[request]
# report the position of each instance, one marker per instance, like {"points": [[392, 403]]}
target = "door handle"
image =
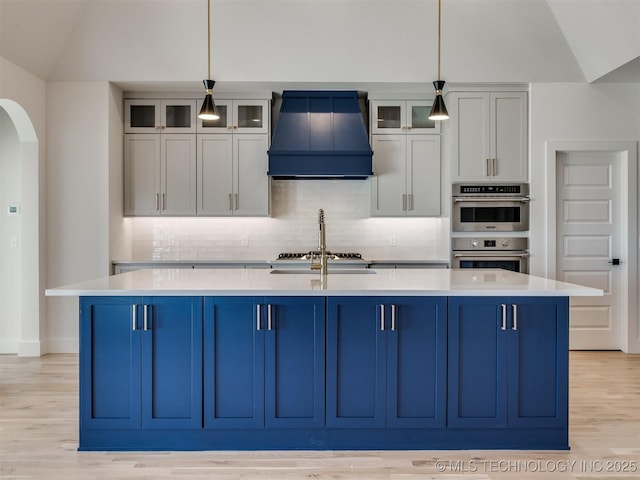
{"points": [[615, 261], [404, 202], [393, 317], [488, 161], [515, 317], [145, 317], [230, 202], [494, 167], [236, 196], [258, 317], [269, 325], [382, 318], [157, 201], [504, 317], [134, 308]]}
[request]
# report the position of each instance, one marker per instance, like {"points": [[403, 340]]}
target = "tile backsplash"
{"points": [[293, 227]]}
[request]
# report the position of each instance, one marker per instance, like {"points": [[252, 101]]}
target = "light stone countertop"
{"points": [[367, 282]]}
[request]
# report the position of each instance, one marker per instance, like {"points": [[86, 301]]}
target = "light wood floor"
{"points": [[39, 429]]}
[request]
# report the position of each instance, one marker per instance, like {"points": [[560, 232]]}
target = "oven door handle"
{"points": [[491, 254], [491, 199]]}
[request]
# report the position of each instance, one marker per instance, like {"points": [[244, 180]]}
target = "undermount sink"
{"points": [[333, 271]]}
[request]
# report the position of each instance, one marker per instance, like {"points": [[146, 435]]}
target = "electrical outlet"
{"points": [[244, 241], [393, 241]]}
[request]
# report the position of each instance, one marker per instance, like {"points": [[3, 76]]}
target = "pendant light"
{"points": [[439, 109], [209, 111]]}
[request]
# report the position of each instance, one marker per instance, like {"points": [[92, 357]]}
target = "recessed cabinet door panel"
{"points": [[142, 174], [251, 188], [233, 363], [294, 363], [172, 362], [417, 362], [470, 135], [477, 392], [509, 135], [423, 175], [356, 364], [215, 174], [109, 364], [179, 175], [388, 185], [538, 359]]}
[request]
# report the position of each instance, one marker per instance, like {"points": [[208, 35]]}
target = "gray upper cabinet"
{"points": [[238, 116], [402, 116], [160, 116], [489, 136]]}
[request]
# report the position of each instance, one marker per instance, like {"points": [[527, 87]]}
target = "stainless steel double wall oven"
{"points": [[490, 207]]}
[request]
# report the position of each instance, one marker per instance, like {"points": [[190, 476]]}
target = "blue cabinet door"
{"points": [[110, 363], [356, 363], [538, 362], [508, 362], [140, 362], [172, 362], [417, 362], [294, 362], [477, 352], [233, 362]]}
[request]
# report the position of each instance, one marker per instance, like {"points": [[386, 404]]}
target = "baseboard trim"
{"points": [[63, 345]]}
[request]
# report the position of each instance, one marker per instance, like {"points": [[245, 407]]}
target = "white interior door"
{"points": [[589, 237]]}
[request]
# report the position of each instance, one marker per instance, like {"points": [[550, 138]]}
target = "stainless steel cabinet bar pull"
{"points": [[504, 317], [410, 196], [145, 317], [515, 317], [488, 161], [258, 316], [404, 202], [393, 317], [494, 165], [382, 318], [230, 202], [236, 195], [269, 326], [157, 201], [133, 317], [164, 201]]}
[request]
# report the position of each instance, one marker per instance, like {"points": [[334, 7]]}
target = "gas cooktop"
{"points": [[330, 255]]}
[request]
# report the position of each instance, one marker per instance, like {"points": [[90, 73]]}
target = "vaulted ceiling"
{"points": [[324, 41]]}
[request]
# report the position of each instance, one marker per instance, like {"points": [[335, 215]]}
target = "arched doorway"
{"points": [[21, 269]]}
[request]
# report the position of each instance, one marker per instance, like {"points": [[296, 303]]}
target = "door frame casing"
{"points": [[628, 150]]}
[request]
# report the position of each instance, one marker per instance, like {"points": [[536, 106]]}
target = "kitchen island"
{"points": [[387, 359]]}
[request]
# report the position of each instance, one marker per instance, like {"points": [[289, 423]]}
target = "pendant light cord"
{"points": [[209, 40], [439, 7]]}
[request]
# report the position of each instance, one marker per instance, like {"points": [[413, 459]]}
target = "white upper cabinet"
{"points": [[489, 136], [232, 175], [406, 179], [159, 116], [238, 116], [160, 175], [402, 116]]}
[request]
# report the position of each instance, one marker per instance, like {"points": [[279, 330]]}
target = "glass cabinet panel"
{"points": [[142, 116], [250, 116], [222, 122], [389, 117], [178, 116], [420, 117]]}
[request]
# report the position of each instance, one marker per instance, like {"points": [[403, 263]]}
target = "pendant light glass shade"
{"points": [[439, 109], [209, 111]]}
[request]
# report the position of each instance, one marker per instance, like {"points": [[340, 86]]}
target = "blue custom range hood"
{"points": [[320, 134]]}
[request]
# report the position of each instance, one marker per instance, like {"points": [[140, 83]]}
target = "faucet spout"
{"points": [[322, 245]]}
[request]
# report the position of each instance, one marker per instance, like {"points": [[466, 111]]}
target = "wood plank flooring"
{"points": [[39, 431]]}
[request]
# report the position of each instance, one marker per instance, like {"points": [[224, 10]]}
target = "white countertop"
{"points": [[383, 282]]}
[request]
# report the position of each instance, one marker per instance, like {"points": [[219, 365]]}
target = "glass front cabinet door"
{"points": [[159, 116], [402, 116], [238, 116]]}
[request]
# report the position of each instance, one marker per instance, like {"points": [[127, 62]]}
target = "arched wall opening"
{"points": [[21, 272]]}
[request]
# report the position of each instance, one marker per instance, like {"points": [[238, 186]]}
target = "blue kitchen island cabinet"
{"points": [[140, 365], [386, 363], [264, 362], [508, 364]]}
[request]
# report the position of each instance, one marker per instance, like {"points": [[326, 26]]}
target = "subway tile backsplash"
{"points": [[293, 227]]}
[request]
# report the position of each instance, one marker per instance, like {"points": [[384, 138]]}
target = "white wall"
{"points": [[28, 91], [77, 197], [10, 274], [576, 111]]}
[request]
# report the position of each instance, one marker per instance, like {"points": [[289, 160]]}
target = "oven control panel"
{"points": [[491, 189], [513, 243]]}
